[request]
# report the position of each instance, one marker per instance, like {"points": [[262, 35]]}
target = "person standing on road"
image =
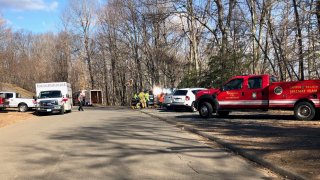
{"points": [[80, 99], [142, 99], [146, 95], [161, 100]]}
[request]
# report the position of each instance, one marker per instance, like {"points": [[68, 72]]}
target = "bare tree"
{"points": [[83, 18]]}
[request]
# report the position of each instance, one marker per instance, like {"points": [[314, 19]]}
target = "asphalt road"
{"points": [[114, 144]]}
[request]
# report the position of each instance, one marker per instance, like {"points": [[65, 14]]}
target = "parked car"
{"points": [[15, 101], [185, 98], [151, 99], [167, 103]]}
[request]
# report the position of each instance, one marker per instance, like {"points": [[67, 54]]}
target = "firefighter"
{"points": [[146, 95], [142, 99], [135, 101], [161, 99]]}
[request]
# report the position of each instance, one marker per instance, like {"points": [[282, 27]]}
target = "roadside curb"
{"points": [[281, 171]]}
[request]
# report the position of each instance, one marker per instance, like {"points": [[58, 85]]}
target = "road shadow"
{"points": [[240, 117], [113, 146], [280, 139]]}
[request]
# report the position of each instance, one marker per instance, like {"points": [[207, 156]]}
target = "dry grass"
{"points": [[11, 117], [13, 88]]}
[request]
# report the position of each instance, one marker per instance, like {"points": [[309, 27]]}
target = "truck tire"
{"points": [[223, 113], [38, 113], [62, 110], [23, 107], [304, 111], [205, 110]]}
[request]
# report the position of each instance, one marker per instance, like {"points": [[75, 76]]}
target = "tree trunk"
{"points": [[299, 36]]}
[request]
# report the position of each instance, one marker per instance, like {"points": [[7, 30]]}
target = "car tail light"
{"points": [[187, 98]]}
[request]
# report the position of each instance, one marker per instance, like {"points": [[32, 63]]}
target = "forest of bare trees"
{"points": [[123, 46]]}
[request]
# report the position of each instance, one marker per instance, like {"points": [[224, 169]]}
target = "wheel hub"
{"points": [[304, 111], [204, 111]]}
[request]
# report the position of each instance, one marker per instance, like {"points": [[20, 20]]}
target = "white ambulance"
{"points": [[53, 97]]}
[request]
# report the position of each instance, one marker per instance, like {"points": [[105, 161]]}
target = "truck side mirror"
{"points": [[35, 98]]}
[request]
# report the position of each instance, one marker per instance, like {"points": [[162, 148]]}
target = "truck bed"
{"points": [[286, 94]]}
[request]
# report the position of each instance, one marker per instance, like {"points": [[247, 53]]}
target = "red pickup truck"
{"points": [[261, 92]]}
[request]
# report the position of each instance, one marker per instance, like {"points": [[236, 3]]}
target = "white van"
{"points": [[54, 97]]}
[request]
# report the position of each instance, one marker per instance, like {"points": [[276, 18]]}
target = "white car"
{"points": [[185, 98]]}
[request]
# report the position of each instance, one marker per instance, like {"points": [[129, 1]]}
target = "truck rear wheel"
{"points": [[304, 111], [205, 110], [23, 107]]}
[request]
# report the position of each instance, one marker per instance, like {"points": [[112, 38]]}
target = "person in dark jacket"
{"points": [[80, 99]]}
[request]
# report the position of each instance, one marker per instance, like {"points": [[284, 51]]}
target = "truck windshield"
{"points": [[50, 94]]}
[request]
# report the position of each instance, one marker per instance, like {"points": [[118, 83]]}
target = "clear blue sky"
{"points": [[37, 16]]}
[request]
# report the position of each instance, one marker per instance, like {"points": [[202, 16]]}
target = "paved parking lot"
{"points": [[114, 143], [275, 137]]}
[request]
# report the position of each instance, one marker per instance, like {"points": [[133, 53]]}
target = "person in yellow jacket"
{"points": [[146, 95], [142, 99], [135, 101]]}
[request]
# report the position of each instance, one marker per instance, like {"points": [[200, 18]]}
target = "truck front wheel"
{"points": [[62, 110], [304, 111], [205, 110], [22, 108]]}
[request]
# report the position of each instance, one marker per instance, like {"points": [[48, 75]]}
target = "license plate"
{"points": [[48, 110]]}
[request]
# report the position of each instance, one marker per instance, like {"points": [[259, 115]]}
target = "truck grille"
{"points": [[48, 103]]}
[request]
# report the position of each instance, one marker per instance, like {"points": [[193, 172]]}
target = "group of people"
{"points": [[142, 99]]}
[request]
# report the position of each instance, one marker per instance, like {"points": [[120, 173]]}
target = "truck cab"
{"points": [[244, 92]]}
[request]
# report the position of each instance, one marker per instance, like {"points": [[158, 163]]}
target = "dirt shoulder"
{"points": [[276, 137], [10, 117]]}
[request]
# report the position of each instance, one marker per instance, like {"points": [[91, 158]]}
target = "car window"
{"points": [[8, 95], [255, 83], [272, 79], [196, 91], [233, 85], [180, 92]]}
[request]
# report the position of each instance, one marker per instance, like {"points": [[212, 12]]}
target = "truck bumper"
{"points": [[49, 109], [3, 106]]}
